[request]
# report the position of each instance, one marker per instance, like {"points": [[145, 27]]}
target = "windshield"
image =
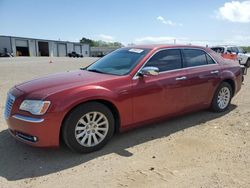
{"points": [[119, 62]]}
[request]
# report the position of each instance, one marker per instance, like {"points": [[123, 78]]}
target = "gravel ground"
{"points": [[201, 149]]}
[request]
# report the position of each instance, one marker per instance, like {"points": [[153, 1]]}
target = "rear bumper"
{"points": [[38, 132]]}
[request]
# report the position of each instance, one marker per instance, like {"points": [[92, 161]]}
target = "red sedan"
{"points": [[125, 89]]}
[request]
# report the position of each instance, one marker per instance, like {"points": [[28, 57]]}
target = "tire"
{"points": [[82, 125], [221, 106]]}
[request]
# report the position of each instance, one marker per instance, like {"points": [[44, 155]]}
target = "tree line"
{"points": [[100, 43], [247, 48]]}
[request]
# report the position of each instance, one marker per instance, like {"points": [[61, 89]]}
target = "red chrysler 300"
{"points": [[127, 88]]}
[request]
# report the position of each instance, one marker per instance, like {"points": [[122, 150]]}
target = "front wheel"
{"points": [[88, 127], [222, 98]]}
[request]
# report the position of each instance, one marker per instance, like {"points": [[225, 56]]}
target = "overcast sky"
{"points": [[132, 21]]}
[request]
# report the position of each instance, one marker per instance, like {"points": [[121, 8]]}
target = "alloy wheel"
{"points": [[91, 129], [223, 97]]}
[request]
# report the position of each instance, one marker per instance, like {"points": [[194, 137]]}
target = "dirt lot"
{"points": [[202, 149]]}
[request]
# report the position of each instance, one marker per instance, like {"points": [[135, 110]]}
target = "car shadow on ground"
{"points": [[19, 161]]}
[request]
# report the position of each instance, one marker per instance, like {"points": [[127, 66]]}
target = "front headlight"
{"points": [[35, 107]]}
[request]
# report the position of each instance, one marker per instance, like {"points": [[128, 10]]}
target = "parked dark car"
{"points": [[74, 54], [6, 55], [125, 89]]}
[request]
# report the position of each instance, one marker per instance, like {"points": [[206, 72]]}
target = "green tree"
{"points": [[247, 48], [100, 43], [87, 41]]}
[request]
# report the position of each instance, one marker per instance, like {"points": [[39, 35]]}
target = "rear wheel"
{"points": [[222, 98], [88, 127]]}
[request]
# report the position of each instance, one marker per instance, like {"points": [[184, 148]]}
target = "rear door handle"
{"points": [[214, 72], [181, 78]]}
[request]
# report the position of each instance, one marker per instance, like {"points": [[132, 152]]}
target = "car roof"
{"points": [[159, 46]]}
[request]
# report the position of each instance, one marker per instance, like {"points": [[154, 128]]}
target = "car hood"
{"points": [[45, 86]]}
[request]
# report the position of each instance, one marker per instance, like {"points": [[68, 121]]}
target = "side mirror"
{"points": [[244, 52], [149, 71]]}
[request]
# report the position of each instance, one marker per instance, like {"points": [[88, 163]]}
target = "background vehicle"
{"points": [[235, 53], [118, 92], [5, 53], [74, 54]]}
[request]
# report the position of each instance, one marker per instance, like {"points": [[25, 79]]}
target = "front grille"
{"points": [[8, 106]]}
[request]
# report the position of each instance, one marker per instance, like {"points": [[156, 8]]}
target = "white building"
{"points": [[20, 46]]}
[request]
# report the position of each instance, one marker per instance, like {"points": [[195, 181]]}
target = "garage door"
{"points": [[22, 47], [22, 43], [78, 49], [62, 50]]}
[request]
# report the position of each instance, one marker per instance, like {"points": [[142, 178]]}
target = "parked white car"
{"points": [[242, 56]]}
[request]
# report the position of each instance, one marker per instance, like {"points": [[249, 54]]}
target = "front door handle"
{"points": [[214, 72], [181, 78]]}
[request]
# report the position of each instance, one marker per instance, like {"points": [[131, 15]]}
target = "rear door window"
{"points": [[194, 57]]}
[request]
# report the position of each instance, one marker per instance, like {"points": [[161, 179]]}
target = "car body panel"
{"points": [[202, 83], [162, 93]]}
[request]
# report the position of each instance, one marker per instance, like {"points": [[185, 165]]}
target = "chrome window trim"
{"points": [[185, 68], [28, 119]]}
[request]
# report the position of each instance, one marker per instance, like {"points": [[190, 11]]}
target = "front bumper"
{"points": [[39, 132]]}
